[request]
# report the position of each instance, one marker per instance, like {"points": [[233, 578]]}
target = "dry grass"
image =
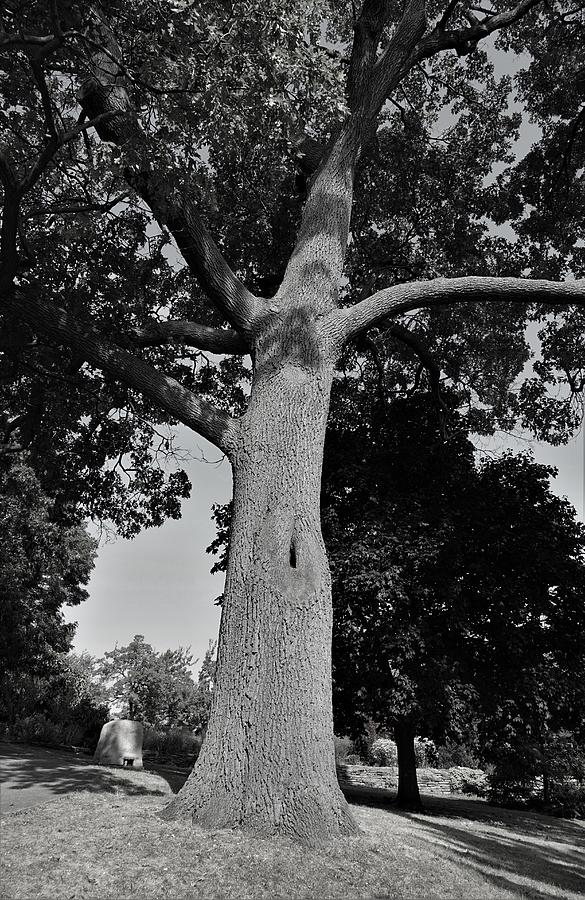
{"points": [[113, 845]]}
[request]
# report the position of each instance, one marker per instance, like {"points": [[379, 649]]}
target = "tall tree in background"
{"points": [[191, 106], [453, 585], [45, 564], [155, 688]]}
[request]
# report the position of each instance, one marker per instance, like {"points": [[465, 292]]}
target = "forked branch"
{"points": [[465, 40], [105, 91]]}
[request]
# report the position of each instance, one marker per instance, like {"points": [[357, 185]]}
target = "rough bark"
{"points": [[408, 794], [268, 761]]}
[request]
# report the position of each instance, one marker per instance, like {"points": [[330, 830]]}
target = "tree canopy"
{"points": [[157, 688], [457, 587], [316, 143], [45, 563], [231, 102]]}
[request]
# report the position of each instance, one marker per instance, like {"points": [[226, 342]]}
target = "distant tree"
{"points": [[453, 585], [158, 688], [45, 562], [199, 707], [85, 675]]}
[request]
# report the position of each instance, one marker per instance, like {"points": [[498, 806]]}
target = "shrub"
{"points": [[35, 729], [425, 752], [464, 780], [566, 800], [546, 775], [451, 754], [343, 748], [384, 752], [512, 783], [352, 759], [172, 744]]}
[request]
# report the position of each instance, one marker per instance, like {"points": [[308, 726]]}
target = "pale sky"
{"points": [[158, 584]]}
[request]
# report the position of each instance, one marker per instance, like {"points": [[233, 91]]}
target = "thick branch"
{"points": [[465, 40], [368, 30], [327, 212], [389, 70], [182, 404], [406, 336], [199, 251], [105, 91], [203, 337], [393, 301]]}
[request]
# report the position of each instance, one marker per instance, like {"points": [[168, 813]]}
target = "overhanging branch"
{"points": [[203, 337], [182, 404], [465, 40], [105, 91], [345, 324]]}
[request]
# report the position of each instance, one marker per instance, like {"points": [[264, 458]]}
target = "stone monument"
{"points": [[120, 744]]}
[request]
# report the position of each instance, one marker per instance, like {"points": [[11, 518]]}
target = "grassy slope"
{"points": [[112, 845]]}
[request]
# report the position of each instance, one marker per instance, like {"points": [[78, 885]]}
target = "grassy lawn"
{"points": [[111, 844]]}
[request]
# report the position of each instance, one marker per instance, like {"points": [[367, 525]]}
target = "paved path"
{"points": [[33, 775]]}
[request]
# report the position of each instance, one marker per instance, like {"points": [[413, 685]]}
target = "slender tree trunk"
{"points": [[408, 793], [268, 760]]}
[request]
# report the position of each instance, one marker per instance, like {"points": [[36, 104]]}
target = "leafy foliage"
{"points": [[65, 705], [546, 772], [45, 560], [454, 587], [158, 688], [221, 93]]}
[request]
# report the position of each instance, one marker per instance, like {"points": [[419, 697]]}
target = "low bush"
{"points": [[425, 752], [352, 759], [513, 781], [80, 728], [451, 754], [179, 745], [343, 748], [465, 780], [384, 752], [35, 729], [566, 800], [548, 775]]}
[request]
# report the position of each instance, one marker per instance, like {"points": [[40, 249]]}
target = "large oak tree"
{"points": [[117, 119]]}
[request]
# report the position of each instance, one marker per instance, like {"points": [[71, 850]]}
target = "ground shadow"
{"points": [[510, 855], [175, 778], [509, 847], [38, 769]]}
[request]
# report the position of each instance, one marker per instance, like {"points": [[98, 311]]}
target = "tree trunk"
{"points": [[408, 793], [268, 761]]}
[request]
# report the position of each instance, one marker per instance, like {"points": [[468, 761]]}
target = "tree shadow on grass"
{"points": [[517, 851], [39, 770], [511, 857], [175, 778]]}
